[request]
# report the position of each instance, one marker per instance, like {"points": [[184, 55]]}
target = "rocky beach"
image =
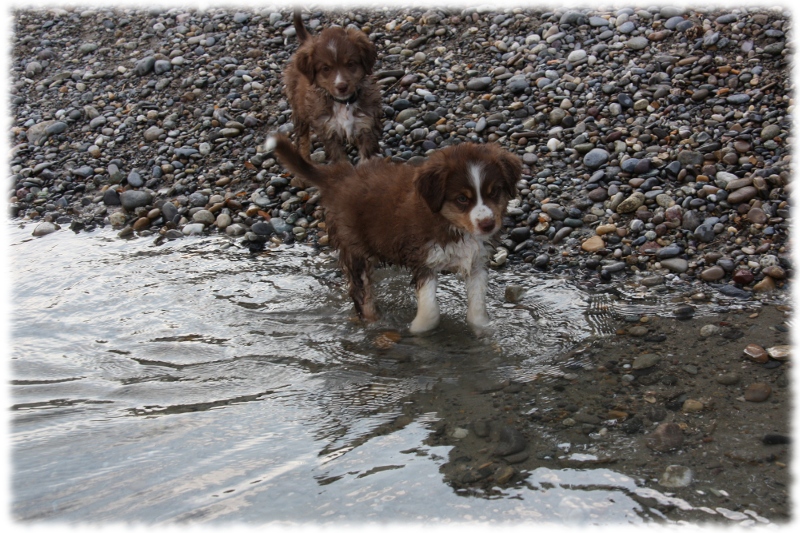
{"points": [[656, 158]]}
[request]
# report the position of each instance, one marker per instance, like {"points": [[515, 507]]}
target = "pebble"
{"points": [[460, 433], [780, 353], [709, 330], [756, 353], [193, 229], [676, 477], [511, 441], [130, 200], [44, 228], [692, 406], [593, 244], [514, 293], [757, 392], [645, 361], [666, 437], [728, 378]]}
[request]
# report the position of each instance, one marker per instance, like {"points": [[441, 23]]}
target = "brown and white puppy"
{"points": [[331, 91], [428, 218]]}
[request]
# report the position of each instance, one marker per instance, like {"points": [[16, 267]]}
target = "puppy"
{"points": [[428, 218], [330, 89]]}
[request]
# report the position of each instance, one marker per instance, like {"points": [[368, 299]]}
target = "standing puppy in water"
{"points": [[430, 218], [330, 88]]}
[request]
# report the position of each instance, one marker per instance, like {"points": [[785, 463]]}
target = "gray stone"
{"points": [[193, 229], [144, 66], [130, 200], [675, 264], [596, 158], [645, 361], [204, 216], [152, 133], [479, 84], [44, 228]]}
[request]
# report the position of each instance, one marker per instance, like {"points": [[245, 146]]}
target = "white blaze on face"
{"points": [[333, 49], [480, 211]]}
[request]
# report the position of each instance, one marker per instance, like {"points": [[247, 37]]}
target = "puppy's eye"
{"points": [[325, 69], [351, 64], [461, 199]]}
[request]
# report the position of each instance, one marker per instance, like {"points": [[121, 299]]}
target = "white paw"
{"points": [[478, 320], [423, 324]]}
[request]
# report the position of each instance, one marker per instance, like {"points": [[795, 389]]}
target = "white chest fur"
{"points": [[344, 119], [462, 256]]}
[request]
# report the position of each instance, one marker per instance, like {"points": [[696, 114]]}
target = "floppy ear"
{"points": [[365, 47], [431, 182], [304, 62], [510, 169]]}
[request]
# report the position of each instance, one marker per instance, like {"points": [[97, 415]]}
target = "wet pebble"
{"points": [[510, 441], [780, 353], [757, 392], [44, 228], [756, 353], [666, 437], [676, 477], [728, 378]]}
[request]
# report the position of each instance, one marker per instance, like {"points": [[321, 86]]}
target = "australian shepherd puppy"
{"points": [[428, 218], [330, 88]]}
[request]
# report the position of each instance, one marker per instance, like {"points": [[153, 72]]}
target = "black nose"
{"points": [[486, 225]]}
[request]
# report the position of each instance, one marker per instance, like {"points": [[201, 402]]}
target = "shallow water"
{"points": [[193, 382]]}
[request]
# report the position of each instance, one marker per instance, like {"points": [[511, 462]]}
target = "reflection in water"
{"points": [[194, 382]]}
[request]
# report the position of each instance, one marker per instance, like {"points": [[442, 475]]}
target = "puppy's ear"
{"points": [[510, 170], [431, 183], [365, 47], [304, 62]]}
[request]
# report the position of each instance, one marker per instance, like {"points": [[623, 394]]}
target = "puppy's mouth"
{"points": [[345, 96]]}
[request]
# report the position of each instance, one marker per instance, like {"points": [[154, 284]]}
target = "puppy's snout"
{"points": [[341, 86], [486, 225]]}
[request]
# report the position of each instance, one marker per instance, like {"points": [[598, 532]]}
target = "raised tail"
{"points": [[290, 158], [299, 27]]}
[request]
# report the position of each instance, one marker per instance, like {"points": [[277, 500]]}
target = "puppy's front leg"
{"points": [[476, 282], [427, 307], [334, 149]]}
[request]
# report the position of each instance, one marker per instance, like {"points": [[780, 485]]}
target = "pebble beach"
{"points": [[655, 141]]}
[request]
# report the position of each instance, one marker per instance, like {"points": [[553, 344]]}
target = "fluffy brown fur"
{"points": [[331, 91], [426, 218]]}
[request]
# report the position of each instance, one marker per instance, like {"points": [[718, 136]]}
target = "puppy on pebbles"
{"points": [[430, 218]]}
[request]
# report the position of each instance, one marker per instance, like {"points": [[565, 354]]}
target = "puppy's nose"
{"points": [[486, 225], [341, 86]]}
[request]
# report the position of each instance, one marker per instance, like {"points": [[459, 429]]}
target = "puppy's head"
{"points": [[337, 60], [470, 185]]}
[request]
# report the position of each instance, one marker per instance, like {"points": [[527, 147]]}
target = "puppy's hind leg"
{"points": [[359, 275], [427, 307]]}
